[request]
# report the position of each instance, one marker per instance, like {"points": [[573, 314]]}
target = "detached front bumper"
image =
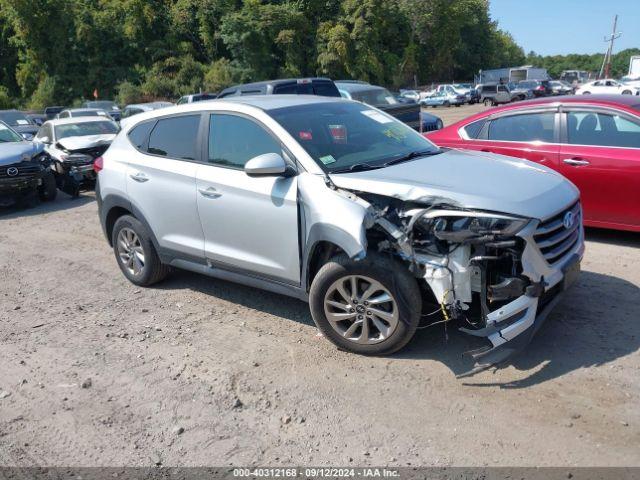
{"points": [[511, 327]]}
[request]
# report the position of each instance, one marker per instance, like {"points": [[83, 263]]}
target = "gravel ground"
{"points": [[95, 371]]}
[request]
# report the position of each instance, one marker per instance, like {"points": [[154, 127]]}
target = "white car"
{"points": [[607, 86], [73, 144]]}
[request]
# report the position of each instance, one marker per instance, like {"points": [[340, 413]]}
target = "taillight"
{"points": [[98, 164]]}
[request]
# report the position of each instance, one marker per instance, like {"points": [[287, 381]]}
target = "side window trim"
{"points": [[564, 130], [205, 141], [145, 145], [484, 133], [199, 157]]}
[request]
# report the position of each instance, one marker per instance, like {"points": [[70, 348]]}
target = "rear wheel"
{"points": [[371, 307], [488, 102], [135, 253]]}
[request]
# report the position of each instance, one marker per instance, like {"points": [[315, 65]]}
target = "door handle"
{"points": [[139, 177], [209, 192], [576, 162]]}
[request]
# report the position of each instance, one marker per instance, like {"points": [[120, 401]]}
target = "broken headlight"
{"points": [[461, 227]]}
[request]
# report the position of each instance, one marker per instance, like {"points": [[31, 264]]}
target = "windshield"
{"points": [[340, 135], [8, 135], [378, 96], [84, 129], [15, 118], [106, 104]]}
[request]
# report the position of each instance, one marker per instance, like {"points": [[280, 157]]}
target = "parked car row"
{"points": [[345, 205]]}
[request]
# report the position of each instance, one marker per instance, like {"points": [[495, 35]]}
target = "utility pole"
{"points": [[606, 64]]}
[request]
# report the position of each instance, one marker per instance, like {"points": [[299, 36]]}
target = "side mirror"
{"points": [[267, 165], [27, 136]]}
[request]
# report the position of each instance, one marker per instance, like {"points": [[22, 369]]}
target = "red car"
{"points": [[593, 140]]}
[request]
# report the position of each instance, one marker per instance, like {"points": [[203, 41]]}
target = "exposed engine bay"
{"points": [[471, 261]]}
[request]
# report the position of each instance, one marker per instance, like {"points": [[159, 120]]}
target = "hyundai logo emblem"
{"points": [[567, 221], [12, 171]]}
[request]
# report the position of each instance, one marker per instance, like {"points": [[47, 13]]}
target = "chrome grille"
{"points": [[24, 170], [554, 239]]}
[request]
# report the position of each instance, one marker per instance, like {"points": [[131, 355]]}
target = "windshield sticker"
{"points": [[395, 132], [327, 159], [377, 116], [338, 133], [305, 135], [22, 122]]}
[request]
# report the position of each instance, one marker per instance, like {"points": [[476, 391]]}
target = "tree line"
{"points": [[61, 51]]}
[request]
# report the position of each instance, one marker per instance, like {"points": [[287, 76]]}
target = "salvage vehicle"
{"points": [[74, 144], [492, 94], [607, 86], [379, 97], [109, 106], [24, 169], [83, 112], [323, 87], [19, 122], [337, 203], [594, 141], [443, 98]]}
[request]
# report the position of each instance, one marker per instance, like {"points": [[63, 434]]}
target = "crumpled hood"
{"points": [[87, 141], [471, 179], [15, 152]]}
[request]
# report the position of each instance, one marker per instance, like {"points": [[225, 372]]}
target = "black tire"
{"points": [[393, 276], [457, 105], [48, 191], [488, 102], [153, 270], [446, 104]]}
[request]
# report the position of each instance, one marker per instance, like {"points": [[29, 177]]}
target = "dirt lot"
{"points": [[203, 372]]}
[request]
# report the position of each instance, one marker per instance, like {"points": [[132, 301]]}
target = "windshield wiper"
{"points": [[358, 167], [411, 156]]}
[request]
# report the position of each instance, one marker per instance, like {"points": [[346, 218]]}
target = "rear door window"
{"points": [[175, 137], [602, 129], [530, 127]]}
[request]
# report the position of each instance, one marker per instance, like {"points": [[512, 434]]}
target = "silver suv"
{"points": [[339, 204]]}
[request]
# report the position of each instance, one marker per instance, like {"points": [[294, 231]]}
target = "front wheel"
{"points": [[370, 307], [488, 102], [48, 191], [135, 253]]}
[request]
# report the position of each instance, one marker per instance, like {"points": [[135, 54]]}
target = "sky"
{"points": [[558, 27]]}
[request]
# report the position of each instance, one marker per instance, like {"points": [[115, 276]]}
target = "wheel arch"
{"points": [[114, 207]]}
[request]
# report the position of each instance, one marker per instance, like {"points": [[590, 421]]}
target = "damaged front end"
{"points": [[74, 168], [484, 270]]}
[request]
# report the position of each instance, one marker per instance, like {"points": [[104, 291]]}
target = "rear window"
{"points": [[175, 137], [326, 89], [139, 134], [15, 118], [473, 129]]}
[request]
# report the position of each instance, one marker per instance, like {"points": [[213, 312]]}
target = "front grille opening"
{"points": [[554, 239]]}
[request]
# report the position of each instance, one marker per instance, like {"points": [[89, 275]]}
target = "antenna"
{"points": [[606, 63]]}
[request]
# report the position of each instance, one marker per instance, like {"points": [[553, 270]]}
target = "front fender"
{"points": [[330, 215]]}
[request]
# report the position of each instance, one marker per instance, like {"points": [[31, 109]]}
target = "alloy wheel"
{"points": [[361, 309], [130, 251]]}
